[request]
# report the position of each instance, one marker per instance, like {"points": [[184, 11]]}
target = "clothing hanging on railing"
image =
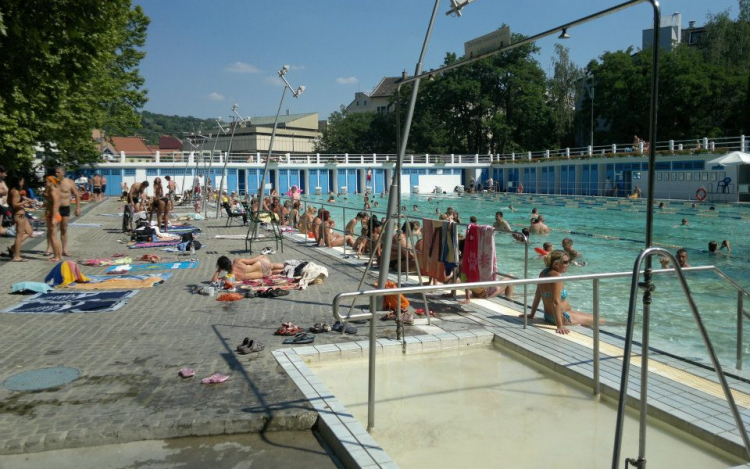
{"points": [[429, 260], [449, 247], [479, 260]]}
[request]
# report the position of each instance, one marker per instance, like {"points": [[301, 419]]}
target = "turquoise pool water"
{"points": [[609, 233]]}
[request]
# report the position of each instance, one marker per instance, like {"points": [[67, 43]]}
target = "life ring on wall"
{"points": [[700, 194]]}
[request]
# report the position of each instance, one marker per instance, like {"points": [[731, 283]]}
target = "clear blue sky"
{"points": [[203, 56]]}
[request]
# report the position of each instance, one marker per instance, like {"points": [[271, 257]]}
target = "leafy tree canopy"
{"points": [[68, 68]]}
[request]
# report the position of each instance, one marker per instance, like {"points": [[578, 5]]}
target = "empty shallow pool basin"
{"points": [[484, 407]]}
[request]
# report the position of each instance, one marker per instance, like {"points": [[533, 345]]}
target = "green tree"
{"points": [[566, 83], [67, 68], [358, 132]]}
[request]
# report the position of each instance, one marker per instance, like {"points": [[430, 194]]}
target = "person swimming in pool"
{"points": [[246, 269], [557, 309]]}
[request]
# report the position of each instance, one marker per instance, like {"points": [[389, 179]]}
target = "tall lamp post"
{"points": [[591, 95], [206, 177], [236, 120], [296, 93]]}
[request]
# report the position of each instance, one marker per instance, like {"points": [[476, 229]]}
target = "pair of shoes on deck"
{"points": [[319, 327], [267, 251], [339, 327], [249, 346], [406, 318], [288, 329], [271, 293]]}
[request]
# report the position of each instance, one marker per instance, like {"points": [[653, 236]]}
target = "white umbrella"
{"points": [[731, 159]]}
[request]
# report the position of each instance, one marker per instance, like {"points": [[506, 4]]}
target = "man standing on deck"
{"points": [[136, 194], [67, 189], [97, 189], [171, 187]]}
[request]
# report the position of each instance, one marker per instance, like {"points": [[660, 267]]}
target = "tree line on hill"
{"points": [[506, 103]]}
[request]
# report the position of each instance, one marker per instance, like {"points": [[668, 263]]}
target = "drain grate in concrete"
{"points": [[42, 378]]}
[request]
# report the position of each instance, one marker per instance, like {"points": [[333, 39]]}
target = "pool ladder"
{"points": [[648, 288]]}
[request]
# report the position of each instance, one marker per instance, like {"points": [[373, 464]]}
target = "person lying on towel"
{"points": [[246, 269]]}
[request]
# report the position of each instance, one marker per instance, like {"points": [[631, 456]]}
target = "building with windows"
{"points": [[672, 33], [378, 100], [295, 133]]}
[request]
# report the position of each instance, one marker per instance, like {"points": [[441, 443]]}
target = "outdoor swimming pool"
{"points": [[484, 407], [609, 234]]}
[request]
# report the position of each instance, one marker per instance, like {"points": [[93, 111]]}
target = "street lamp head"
{"points": [[300, 90], [564, 34], [283, 70]]}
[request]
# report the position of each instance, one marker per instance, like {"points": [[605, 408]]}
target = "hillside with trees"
{"points": [[154, 125]]}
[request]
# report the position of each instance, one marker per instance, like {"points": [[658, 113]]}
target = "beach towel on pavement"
{"points": [[157, 266], [117, 283], [154, 244], [57, 302]]}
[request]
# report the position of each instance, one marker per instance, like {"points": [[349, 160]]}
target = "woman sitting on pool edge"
{"points": [[246, 269], [557, 309]]}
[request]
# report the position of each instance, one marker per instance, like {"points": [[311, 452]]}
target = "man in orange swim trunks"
{"points": [[52, 215]]}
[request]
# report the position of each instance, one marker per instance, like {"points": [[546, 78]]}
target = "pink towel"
{"points": [[479, 261]]}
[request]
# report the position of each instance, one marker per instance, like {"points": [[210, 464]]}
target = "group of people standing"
{"points": [[59, 192]]}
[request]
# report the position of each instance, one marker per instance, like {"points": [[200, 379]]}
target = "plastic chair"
{"points": [[231, 215], [723, 185]]}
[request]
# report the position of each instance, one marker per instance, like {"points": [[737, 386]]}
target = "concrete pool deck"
{"points": [[129, 389]]}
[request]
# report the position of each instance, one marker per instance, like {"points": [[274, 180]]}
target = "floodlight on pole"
{"points": [[564, 34], [296, 94], [456, 7]]}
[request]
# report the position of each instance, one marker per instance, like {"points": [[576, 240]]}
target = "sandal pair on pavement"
{"points": [[214, 378], [300, 338], [288, 329]]}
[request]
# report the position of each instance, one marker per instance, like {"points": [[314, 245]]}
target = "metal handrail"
{"points": [[596, 278], [648, 287], [407, 218]]}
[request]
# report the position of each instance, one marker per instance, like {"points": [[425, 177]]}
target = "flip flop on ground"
{"points": [[301, 338]]}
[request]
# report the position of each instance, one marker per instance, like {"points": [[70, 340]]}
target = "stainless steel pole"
{"points": [[394, 209]]}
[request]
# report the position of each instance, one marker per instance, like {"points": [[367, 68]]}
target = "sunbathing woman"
{"points": [[306, 222], [316, 226], [247, 269], [333, 239], [557, 310], [23, 228]]}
